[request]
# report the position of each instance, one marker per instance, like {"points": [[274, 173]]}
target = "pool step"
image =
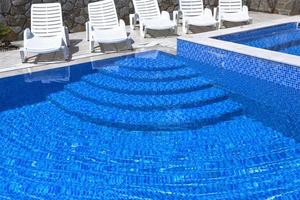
{"points": [[141, 189], [104, 97], [180, 119], [147, 88], [283, 40], [179, 176], [202, 142], [208, 137], [244, 131], [208, 153], [162, 63], [199, 171], [149, 76], [109, 169], [294, 49]]}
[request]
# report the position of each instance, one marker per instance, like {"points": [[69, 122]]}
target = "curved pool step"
{"points": [[221, 156], [200, 176], [120, 188], [160, 63], [103, 97], [283, 40], [146, 121], [207, 137], [204, 172], [210, 170], [197, 170], [211, 186], [244, 130], [147, 88], [150, 76]]}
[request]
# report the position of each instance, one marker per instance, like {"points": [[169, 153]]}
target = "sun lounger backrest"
{"points": [[191, 8], [103, 14], [146, 9], [230, 6], [46, 19]]}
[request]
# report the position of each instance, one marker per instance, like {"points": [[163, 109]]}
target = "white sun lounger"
{"points": [[193, 13], [103, 26], [148, 15], [47, 33], [232, 11]]}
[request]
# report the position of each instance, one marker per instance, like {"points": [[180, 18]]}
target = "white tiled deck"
{"points": [[10, 63]]}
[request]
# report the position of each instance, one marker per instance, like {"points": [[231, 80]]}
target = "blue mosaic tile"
{"points": [[279, 73], [183, 135]]}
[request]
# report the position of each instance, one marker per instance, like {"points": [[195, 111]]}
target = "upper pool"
{"points": [[282, 38], [147, 126]]}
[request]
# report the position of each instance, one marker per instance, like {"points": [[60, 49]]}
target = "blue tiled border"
{"points": [[275, 72]]}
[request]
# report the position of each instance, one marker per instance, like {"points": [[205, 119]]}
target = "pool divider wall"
{"points": [[268, 89], [275, 72]]}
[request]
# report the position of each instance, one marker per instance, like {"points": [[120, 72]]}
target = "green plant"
{"points": [[4, 31]]}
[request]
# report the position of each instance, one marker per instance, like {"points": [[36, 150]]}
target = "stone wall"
{"points": [[287, 7], [16, 13]]}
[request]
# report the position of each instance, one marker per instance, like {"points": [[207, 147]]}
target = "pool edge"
{"points": [[207, 40]]}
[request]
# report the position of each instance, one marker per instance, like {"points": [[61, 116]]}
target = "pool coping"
{"points": [[207, 40], [30, 68]]}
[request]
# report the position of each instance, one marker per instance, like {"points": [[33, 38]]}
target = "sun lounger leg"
{"points": [[143, 31], [23, 54], [66, 53], [91, 46], [132, 21], [176, 30]]}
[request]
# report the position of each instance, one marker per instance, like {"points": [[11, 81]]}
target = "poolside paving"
{"points": [[10, 63]]}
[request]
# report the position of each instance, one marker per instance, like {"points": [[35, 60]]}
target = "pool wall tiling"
{"points": [[276, 40], [275, 72], [271, 85]]}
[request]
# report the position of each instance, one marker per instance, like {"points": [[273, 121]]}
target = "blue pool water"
{"points": [[283, 38], [147, 126]]}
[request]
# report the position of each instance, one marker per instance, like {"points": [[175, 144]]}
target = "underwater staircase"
{"points": [[148, 129]]}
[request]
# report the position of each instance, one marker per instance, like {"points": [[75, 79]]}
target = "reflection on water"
{"points": [[103, 66], [49, 76]]}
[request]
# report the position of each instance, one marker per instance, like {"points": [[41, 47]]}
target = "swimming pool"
{"points": [[146, 126], [282, 38]]}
